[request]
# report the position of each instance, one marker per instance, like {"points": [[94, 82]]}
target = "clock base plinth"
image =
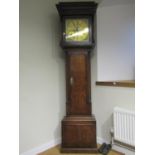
{"points": [[79, 150], [79, 134]]}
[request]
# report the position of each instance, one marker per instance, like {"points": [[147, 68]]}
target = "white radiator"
{"points": [[124, 126]]}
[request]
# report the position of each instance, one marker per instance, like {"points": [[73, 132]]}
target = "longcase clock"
{"points": [[79, 125]]}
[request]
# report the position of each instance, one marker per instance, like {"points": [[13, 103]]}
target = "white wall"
{"points": [[42, 79], [115, 40], [42, 74], [104, 98]]}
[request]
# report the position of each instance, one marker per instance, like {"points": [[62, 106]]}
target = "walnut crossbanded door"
{"points": [[78, 82]]}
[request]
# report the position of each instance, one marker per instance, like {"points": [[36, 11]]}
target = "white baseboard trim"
{"points": [[123, 150], [115, 147], [43, 147], [52, 143]]}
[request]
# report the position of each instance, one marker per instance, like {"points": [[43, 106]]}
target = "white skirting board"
{"points": [[123, 150], [115, 147], [57, 141], [42, 147], [50, 144]]}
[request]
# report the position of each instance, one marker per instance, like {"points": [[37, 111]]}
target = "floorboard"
{"points": [[56, 151]]}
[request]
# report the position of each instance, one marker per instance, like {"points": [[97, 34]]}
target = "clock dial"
{"points": [[77, 30]]}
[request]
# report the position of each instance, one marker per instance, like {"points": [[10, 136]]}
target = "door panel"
{"points": [[78, 134], [70, 136], [78, 82]]}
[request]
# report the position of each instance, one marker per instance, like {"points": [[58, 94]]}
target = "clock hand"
{"points": [[74, 24]]}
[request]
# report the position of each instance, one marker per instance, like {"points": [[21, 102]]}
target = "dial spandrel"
{"points": [[77, 30]]}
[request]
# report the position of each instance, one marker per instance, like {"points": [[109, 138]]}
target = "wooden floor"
{"points": [[56, 151]]}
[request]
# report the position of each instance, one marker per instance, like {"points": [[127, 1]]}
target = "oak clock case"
{"points": [[79, 125]]}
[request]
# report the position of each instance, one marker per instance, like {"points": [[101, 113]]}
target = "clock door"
{"points": [[78, 83]]}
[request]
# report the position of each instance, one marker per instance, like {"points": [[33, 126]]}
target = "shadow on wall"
{"points": [[56, 36], [60, 58], [106, 127]]}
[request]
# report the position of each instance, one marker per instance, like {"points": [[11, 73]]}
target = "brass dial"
{"points": [[77, 30]]}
